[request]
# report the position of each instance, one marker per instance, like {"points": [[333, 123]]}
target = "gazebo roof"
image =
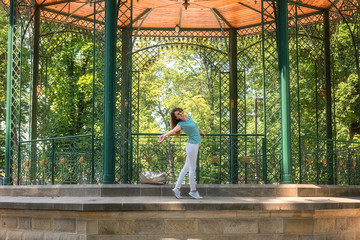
{"points": [[200, 14]]}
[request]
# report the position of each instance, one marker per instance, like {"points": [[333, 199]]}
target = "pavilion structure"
{"points": [[251, 45]]}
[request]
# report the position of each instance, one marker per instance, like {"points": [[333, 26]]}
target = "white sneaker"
{"points": [[195, 195], [177, 193]]}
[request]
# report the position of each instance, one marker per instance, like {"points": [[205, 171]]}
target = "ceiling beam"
{"points": [[254, 9], [221, 16], [307, 6], [142, 14], [270, 22], [184, 29], [92, 14], [333, 4], [73, 16], [56, 3]]}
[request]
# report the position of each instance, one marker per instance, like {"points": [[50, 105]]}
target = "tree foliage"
{"points": [[3, 77], [195, 78]]}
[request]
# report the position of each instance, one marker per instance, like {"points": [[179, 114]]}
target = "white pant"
{"points": [[190, 165]]}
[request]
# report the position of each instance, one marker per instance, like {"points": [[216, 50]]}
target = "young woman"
{"points": [[179, 121]]}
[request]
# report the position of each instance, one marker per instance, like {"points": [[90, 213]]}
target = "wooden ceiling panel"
{"points": [[193, 3], [156, 19], [305, 10], [165, 13], [198, 18], [316, 3], [191, 18], [75, 8]]}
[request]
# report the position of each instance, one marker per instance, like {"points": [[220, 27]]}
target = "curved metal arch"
{"points": [[146, 13], [250, 46], [217, 15], [166, 44], [31, 18], [241, 62], [161, 45], [78, 33], [193, 44], [63, 22], [352, 37], [306, 33]]}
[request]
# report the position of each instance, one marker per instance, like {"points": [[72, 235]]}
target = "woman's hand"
{"points": [[176, 129], [161, 138]]}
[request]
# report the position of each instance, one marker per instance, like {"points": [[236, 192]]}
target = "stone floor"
{"points": [[148, 212], [152, 197]]}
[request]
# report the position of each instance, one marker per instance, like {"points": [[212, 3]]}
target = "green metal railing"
{"points": [[70, 160], [62, 160], [318, 153], [214, 165]]}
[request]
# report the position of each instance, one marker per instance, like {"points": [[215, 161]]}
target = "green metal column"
{"points": [[8, 147], [34, 102], [125, 104], [283, 40], [328, 99], [233, 105], [109, 91]]}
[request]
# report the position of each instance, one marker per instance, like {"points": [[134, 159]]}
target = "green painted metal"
{"points": [[233, 104], [109, 91], [62, 160], [264, 161], [35, 83], [263, 31], [347, 153], [52, 162], [298, 95], [328, 99], [123, 108], [8, 143], [285, 90], [226, 156], [98, 92], [211, 168], [271, 90], [125, 113]]}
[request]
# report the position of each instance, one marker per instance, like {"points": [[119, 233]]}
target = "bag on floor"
{"points": [[150, 177]]}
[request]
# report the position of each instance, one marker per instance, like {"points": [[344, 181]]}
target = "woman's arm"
{"points": [[175, 129], [201, 132]]}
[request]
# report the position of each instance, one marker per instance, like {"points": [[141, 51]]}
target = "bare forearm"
{"points": [[171, 132], [176, 129]]}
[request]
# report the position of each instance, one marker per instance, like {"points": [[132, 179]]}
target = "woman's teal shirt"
{"points": [[191, 129]]}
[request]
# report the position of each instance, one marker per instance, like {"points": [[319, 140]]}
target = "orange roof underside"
{"points": [[203, 14]]}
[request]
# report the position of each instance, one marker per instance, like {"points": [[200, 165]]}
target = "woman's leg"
{"points": [[192, 152], [183, 171]]}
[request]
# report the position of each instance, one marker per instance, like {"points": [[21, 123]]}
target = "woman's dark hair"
{"points": [[175, 121]]}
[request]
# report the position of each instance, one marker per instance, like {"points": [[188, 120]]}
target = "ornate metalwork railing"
{"points": [[70, 160], [323, 160], [62, 160], [216, 160]]}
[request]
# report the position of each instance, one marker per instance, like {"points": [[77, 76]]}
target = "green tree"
{"points": [[67, 95], [3, 76]]}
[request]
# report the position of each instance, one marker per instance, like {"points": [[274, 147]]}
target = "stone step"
{"points": [[156, 203], [213, 190]]}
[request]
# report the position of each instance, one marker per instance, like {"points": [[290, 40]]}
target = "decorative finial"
{"points": [[186, 4]]}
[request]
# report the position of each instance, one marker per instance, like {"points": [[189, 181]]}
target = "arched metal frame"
{"points": [[281, 153]]}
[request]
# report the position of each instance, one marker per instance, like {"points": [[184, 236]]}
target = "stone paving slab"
{"points": [[213, 190], [157, 203]]}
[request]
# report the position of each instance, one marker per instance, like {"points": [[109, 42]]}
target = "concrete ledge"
{"points": [[146, 212], [230, 190], [172, 204]]}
